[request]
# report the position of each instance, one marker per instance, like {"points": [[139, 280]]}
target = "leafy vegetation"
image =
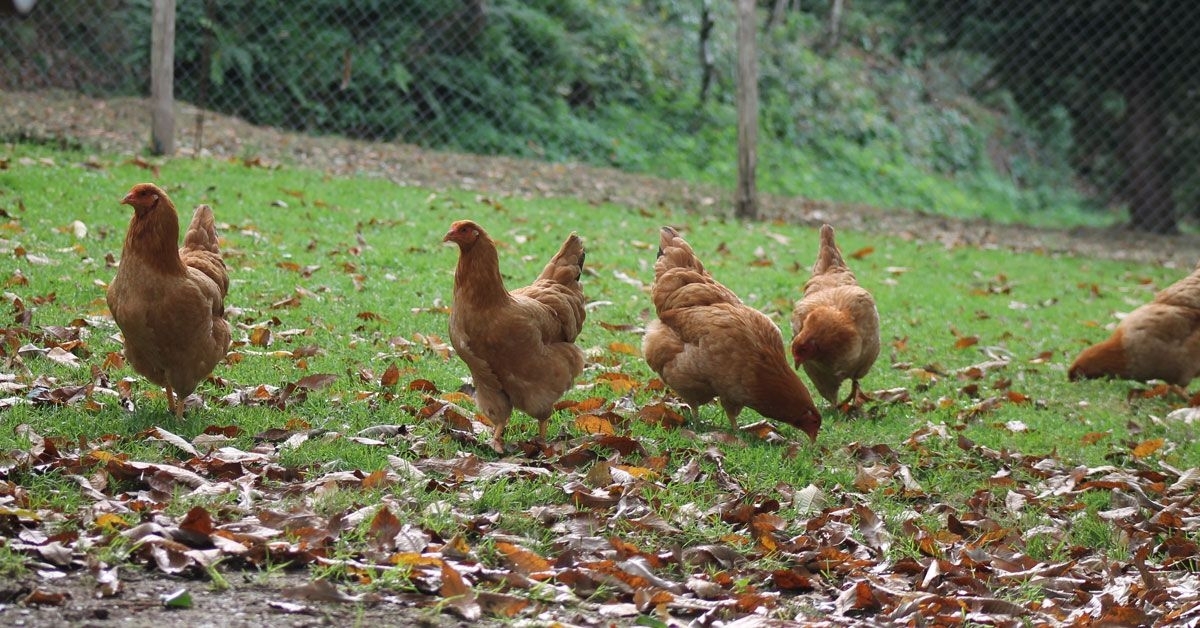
{"points": [[1120, 73], [889, 119], [338, 437]]}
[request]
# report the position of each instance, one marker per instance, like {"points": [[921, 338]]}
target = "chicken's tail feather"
{"points": [[558, 288], [567, 265], [677, 251], [202, 231], [829, 257], [200, 249]]}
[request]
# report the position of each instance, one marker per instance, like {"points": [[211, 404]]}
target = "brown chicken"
{"points": [[170, 302], [519, 345], [835, 326], [706, 343], [1159, 340]]}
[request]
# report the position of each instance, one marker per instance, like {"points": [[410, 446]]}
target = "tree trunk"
{"points": [[1147, 178], [745, 198]]}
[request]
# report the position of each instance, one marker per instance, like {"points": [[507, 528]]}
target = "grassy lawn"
{"points": [[979, 442]]}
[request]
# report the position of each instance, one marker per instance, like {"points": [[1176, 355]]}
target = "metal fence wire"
{"points": [[1096, 95]]}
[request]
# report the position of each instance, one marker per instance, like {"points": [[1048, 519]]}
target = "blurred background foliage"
{"points": [[979, 108]]}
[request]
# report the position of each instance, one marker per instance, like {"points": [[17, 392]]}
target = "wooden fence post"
{"points": [[162, 78], [745, 198]]}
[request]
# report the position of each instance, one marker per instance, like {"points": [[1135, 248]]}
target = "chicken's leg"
{"points": [[172, 407], [732, 410], [498, 438], [860, 397]]}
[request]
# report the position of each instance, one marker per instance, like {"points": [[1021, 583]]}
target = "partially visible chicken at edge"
{"points": [[1158, 340]]}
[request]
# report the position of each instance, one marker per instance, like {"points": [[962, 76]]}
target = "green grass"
{"points": [[356, 268], [13, 564]]}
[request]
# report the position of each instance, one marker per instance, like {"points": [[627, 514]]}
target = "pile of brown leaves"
{"points": [[617, 552]]}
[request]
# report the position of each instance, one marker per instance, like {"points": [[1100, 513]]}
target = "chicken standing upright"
{"points": [[1159, 340], [835, 325], [519, 345], [170, 302], [706, 343]]}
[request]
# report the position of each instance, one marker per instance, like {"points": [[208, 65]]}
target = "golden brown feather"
{"points": [[835, 325], [707, 344], [170, 302], [518, 345]]}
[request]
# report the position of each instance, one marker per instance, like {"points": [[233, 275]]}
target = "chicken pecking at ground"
{"points": [[1159, 340], [707, 344], [519, 345], [170, 302], [835, 326]]}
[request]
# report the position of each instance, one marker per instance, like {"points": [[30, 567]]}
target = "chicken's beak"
{"points": [[128, 200]]}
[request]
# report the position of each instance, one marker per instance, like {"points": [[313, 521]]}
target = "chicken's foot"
{"points": [[497, 442], [855, 400]]}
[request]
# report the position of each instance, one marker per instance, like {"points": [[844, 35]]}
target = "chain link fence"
{"points": [[486, 77], [1088, 100]]}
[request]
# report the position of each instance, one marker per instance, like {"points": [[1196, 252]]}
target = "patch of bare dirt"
{"points": [[251, 600], [122, 125]]}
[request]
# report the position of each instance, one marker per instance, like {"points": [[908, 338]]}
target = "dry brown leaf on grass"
{"points": [[624, 348], [1146, 448], [459, 595], [594, 424], [158, 433], [522, 560]]}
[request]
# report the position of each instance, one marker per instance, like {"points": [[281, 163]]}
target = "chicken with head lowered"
{"points": [[169, 301], [707, 344], [518, 345], [835, 326], [1159, 340]]}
